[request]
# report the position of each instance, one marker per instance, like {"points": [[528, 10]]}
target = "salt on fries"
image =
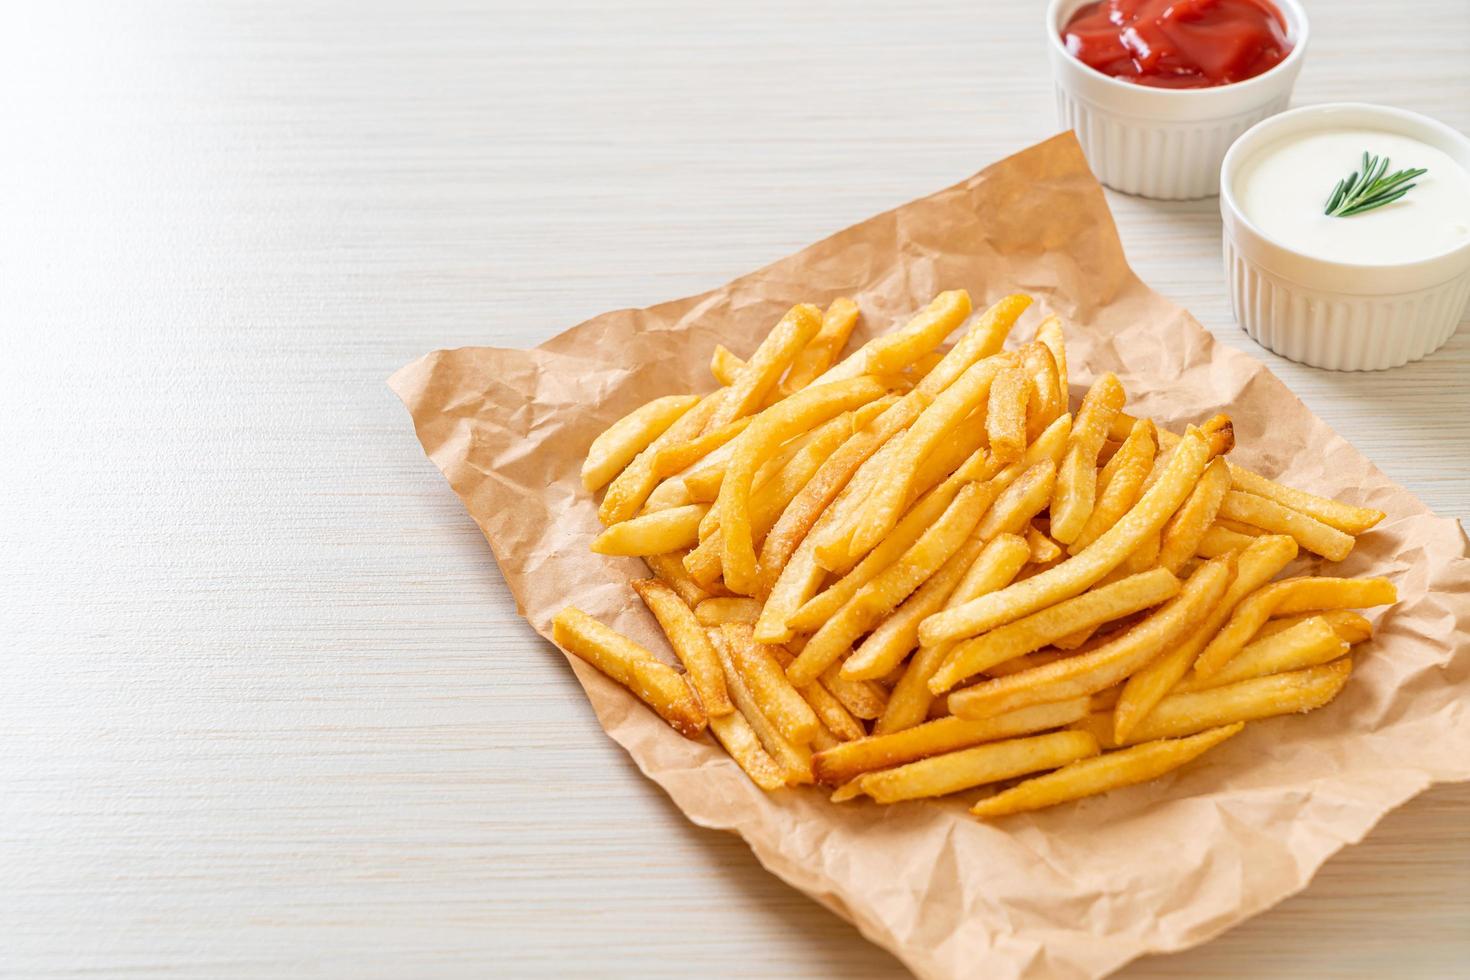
{"points": [[917, 570]]}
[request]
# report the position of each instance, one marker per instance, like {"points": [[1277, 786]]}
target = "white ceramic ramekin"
{"points": [[1165, 143], [1341, 315]]}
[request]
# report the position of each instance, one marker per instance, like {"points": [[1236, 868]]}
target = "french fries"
{"points": [[838, 543], [1114, 770], [629, 436], [654, 683]]}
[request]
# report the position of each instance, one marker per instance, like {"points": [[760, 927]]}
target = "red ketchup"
{"points": [[1178, 43]]}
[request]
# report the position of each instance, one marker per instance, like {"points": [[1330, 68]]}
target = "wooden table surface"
{"points": [[268, 708]]}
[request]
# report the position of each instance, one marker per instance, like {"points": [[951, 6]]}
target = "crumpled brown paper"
{"points": [[1079, 890]]}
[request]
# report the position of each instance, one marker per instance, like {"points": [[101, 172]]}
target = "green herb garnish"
{"points": [[1368, 188]]}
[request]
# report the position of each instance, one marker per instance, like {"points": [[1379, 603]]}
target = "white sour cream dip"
{"points": [[1283, 190]]}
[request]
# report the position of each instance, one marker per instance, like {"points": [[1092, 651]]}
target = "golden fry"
{"points": [[725, 366], [741, 741], [1099, 774], [851, 759], [727, 609], [794, 759], [1349, 625], [771, 359], [1049, 334], [1018, 503], [1311, 642], [616, 447], [1043, 549], [655, 533], [1182, 535], [1260, 697], [1077, 479], [689, 643], [1119, 483], [1310, 533], [627, 492], [652, 681], [1334, 513], [766, 680], [988, 762], [1217, 540], [669, 569], [1044, 402], [1005, 417], [676, 459], [921, 335], [819, 353]]}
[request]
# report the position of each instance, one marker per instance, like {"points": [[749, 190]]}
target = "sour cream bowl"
{"points": [[1359, 293], [1164, 142]]}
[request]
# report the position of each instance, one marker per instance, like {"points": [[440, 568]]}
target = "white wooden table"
{"points": [[267, 707]]}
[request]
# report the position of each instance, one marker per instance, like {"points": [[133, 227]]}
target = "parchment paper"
{"points": [[1079, 890]]}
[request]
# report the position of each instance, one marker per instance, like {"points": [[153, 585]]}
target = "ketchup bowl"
{"points": [[1142, 136]]}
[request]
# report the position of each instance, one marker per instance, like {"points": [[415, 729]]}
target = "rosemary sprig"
{"points": [[1368, 188]]}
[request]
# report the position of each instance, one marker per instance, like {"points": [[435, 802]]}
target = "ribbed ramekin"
{"points": [[1164, 143], [1342, 316]]}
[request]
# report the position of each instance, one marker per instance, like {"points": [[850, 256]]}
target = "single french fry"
{"points": [[1049, 333], [1182, 535], [890, 642], [921, 335], [690, 645], [1119, 483], [1240, 527], [894, 584], [988, 762], [1018, 503], [1260, 697], [883, 506], [744, 746], [771, 359], [652, 681], [851, 759], [654, 533], [1044, 403], [1310, 642], [766, 679], [1002, 557], [1114, 770], [616, 447], [794, 759], [727, 609], [847, 792], [669, 569], [1077, 479], [725, 366], [1110, 663], [1088, 610], [669, 493], [1076, 574], [1043, 549], [1349, 625], [1310, 533], [676, 459], [630, 488], [807, 408], [1218, 540], [1255, 565], [819, 353], [1291, 595], [1005, 417]]}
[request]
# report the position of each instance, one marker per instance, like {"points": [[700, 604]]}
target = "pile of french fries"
{"points": [[915, 571]]}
